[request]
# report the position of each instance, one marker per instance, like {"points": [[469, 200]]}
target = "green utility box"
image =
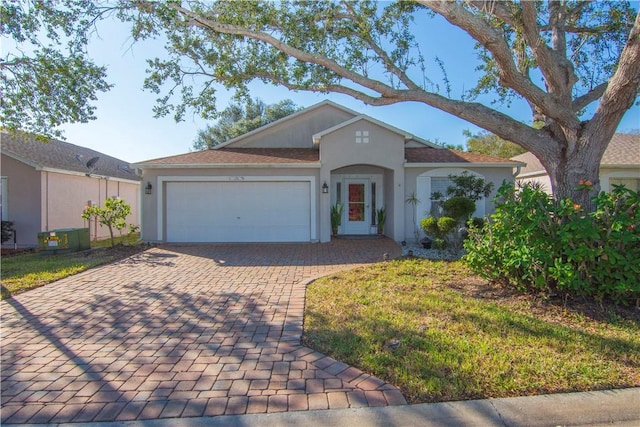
{"points": [[64, 240]]}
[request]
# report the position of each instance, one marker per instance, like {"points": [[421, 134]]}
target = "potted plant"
{"points": [[336, 217], [381, 218]]}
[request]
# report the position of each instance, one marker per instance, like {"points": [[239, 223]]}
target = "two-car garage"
{"points": [[238, 209]]}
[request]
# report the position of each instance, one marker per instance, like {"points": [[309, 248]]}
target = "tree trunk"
{"points": [[574, 169]]}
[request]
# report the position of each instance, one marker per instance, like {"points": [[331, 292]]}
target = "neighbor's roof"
{"points": [[54, 154], [623, 150]]}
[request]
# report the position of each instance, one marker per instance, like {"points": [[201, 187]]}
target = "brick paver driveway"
{"points": [[181, 331]]}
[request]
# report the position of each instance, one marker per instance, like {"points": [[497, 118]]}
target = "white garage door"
{"points": [[255, 211]]}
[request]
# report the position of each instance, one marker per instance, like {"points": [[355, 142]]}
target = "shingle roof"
{"points": [[240, 156], [623, 150], [228, 155], [61, 155], [533, 164], [440, 155]]}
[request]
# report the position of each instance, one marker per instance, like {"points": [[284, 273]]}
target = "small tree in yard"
{"points": [[469, 186], [113, 215]]}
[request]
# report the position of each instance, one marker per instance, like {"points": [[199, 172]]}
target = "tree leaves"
{"points": [[48, 79], [238, 119]]}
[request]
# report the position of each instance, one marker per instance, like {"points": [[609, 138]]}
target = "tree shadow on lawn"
{"points": [[476, 356]]}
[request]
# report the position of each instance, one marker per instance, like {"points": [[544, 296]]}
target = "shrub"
{"points": [[438, 227], [476, 223], [536, 243], [459, 208], [445, 232]]}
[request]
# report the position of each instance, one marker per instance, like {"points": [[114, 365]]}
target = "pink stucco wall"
{"points": [[44, 200]]}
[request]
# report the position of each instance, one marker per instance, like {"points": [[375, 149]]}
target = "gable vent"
{"points": [[362, 137]]}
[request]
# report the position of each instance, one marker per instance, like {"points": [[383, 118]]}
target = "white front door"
{"points": [[358, 206]]}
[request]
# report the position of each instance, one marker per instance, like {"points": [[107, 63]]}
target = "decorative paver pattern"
{"points": [[181, 331]]}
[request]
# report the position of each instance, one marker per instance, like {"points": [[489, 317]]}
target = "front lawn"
{"points": [[439, 333], [22, 272]]}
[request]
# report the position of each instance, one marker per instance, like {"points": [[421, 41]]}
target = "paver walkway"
{"points": [[181, 331]]}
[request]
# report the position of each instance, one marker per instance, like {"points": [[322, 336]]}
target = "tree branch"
{"points": [[582, 101], [622, 88], [498, 123], [196, 20], [389, 64], [556, 69], [510, 77]]}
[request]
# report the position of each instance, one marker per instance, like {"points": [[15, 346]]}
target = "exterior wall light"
{"points": [[148, 188], [325, 188]]}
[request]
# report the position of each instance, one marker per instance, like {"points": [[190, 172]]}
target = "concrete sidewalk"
{"points": [[598, 408]]}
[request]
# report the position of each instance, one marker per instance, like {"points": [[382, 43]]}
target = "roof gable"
{"points": [[294, 130], [55, 154], [407, 136]]}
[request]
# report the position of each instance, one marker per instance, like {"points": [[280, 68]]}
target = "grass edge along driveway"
{"points": [[439, 333], [25, 271]]}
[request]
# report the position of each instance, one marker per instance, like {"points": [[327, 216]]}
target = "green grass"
{"points": [[453, 342], [22, 272]]}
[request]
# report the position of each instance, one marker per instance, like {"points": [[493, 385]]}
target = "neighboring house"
{"points": [[277, 183], [47, 185], [620, 165]]}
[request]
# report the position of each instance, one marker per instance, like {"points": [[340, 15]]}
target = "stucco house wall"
{"points": [[292, 133], [48, 186], [23, 199], [308, 162], [384, 151]]}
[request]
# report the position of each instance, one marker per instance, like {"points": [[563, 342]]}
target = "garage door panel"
{"points": [[238, 211]]}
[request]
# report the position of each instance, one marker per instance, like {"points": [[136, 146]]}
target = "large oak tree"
{"points": [[583, 51]]}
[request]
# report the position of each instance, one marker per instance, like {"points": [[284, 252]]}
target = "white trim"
{"points": [[315, 165], [463, 165], [234, 178], [531, 174], [285, 119]]}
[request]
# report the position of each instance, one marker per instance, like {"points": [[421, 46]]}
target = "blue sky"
{"points": [[125, 127]]}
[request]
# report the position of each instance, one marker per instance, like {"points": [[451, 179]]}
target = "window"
{"points": [[3, 199], [439, 187], [630, 183], [437, 181]]}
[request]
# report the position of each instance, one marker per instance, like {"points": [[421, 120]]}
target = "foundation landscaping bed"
{"points": [[440, 333]]}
